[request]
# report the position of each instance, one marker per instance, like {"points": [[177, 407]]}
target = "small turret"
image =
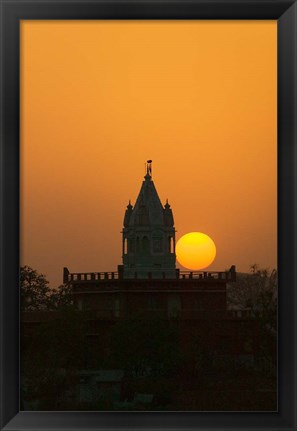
{"points": [[168, 216], [128, 214]]}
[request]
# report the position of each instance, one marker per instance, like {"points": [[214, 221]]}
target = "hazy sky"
{"points": [[99, 98]]}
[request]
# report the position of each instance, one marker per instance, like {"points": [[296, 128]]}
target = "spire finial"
{"points": [[148, 175]]}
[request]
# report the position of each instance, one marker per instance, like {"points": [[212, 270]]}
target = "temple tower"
{"points": [[148, 235]]}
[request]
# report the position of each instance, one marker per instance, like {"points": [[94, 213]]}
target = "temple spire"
{"points": [[148, 241]]}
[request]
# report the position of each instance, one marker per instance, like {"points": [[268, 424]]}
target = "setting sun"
{"points": [[195, 250]]}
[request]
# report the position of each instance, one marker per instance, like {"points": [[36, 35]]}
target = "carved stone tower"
{"points": [[148, 235]]}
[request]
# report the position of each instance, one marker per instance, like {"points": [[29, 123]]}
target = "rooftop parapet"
{"points": [[228, 276]]}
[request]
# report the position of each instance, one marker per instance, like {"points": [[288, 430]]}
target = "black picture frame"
{"points": [[285, 12]]}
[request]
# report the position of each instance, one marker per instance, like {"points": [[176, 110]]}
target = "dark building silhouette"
{"points": [[147, 287]]}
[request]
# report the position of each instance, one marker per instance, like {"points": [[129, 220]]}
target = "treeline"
{"points": [[36, 294]]}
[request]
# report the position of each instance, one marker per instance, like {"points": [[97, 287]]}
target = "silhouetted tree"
{"points": [[36, 294], [256, 292], [35, 290], [61, 297]]}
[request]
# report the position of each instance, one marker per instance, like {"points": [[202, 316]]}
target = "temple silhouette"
{"points": [[148, 281], [148, 235]]}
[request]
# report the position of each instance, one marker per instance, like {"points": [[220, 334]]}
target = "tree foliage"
{"points": [[61, 297], [256, 293], [36, 294], [35, 290]]}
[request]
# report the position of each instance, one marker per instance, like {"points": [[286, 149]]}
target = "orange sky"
{"points": [[99, 98]]}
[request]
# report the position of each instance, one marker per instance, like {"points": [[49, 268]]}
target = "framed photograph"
{"points": [[148, 224]]}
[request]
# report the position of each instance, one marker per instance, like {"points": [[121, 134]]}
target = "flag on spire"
{"points": [[149, 167]]}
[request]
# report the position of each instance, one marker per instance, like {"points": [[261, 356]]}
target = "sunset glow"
{"points": [[98, 98]]}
